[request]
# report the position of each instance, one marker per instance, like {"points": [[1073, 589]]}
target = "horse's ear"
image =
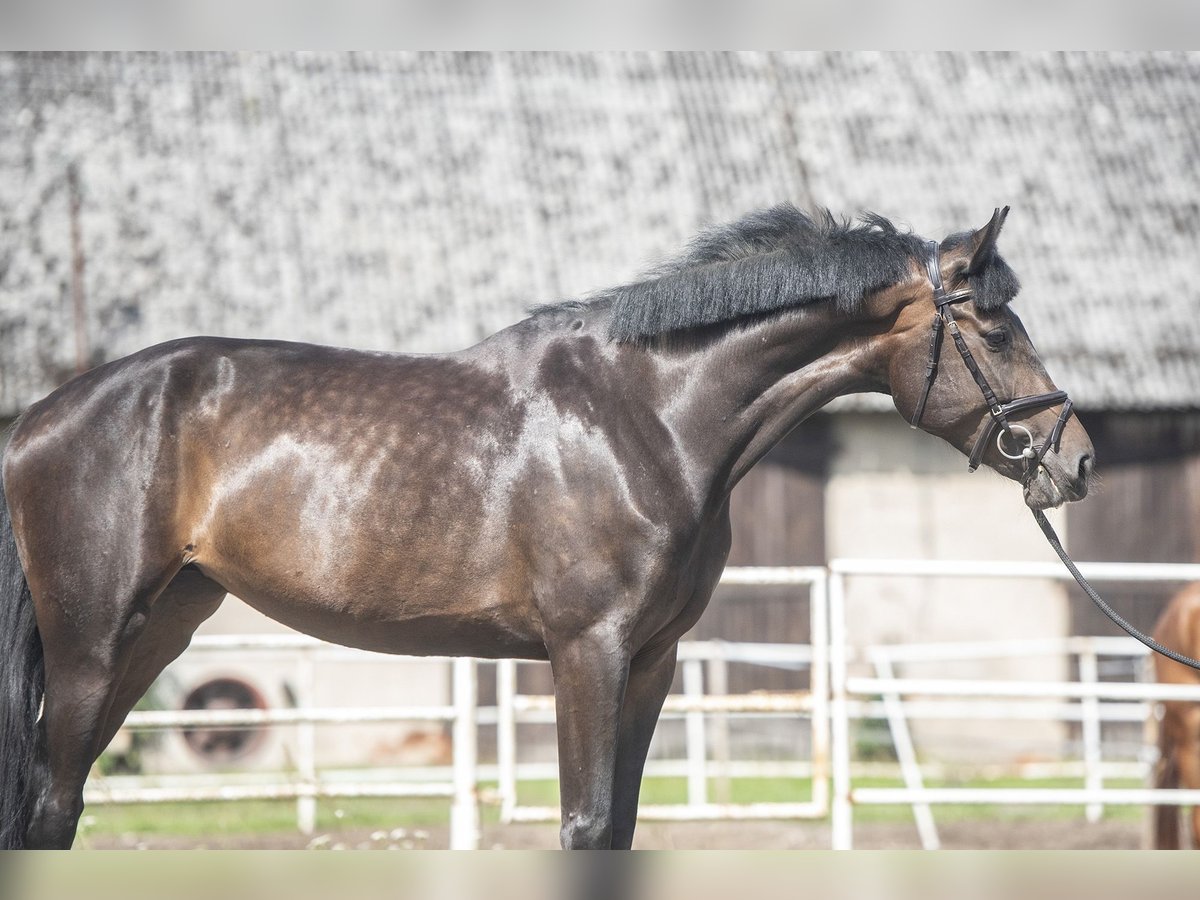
{"points": [[983, 242]]}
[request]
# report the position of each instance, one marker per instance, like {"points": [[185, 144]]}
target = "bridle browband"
{"points": [[998, 412], [998, 424]]}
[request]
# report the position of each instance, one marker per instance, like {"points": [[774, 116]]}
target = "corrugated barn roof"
{"points": [[422, 201]]}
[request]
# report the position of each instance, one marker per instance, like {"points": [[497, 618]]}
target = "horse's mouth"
{"points": [[1049, 490]]}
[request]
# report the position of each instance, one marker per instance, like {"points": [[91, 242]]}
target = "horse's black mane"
{"points": [[773, 259]]}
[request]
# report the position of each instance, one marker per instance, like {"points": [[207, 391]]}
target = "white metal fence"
{"points": [[837, 693], [1087, 692]]}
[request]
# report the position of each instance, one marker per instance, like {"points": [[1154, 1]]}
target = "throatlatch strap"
{"points": [[931, 368]]}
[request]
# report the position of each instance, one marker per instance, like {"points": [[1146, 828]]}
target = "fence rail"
{"points": [[305, 786]]}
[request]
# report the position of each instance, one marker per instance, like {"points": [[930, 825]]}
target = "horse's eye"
{"points": [[997, 339]]}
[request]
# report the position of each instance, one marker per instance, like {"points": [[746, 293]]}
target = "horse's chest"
{"points": [[690, 578]]}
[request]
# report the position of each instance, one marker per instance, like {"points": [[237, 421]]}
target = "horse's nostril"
{"points": [[1086, 464]]}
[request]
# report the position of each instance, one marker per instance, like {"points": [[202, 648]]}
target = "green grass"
{"points": [[259, 817], [798, 790], [952, 812]]}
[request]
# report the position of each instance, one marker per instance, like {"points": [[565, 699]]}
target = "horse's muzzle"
{"points": [[1057, 480]]}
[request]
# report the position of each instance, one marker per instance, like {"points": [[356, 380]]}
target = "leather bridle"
{"points": [[998, 412], [998, 424]]}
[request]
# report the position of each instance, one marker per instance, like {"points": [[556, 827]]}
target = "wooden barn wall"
{"points": [[1145, 508]]}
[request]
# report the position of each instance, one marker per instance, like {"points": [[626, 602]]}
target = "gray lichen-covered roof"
{"points": [[420, 202]]}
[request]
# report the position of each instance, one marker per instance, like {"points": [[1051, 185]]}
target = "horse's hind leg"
{"points": [[180, 609], [1166, 817], [89, 623], [1187, 758]]}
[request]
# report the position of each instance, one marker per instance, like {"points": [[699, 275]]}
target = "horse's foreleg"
{"points": [[590, 672], [649, 682]]}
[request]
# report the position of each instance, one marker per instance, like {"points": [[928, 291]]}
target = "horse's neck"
{"points": [[743, 392]]}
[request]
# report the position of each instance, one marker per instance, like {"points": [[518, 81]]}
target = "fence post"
{"points": [[906, 754], [464, 814], [718, 686], [306, 745], [818, 610], [506, 736], [697, 751], [1089, 673], [842, 812], [1149, 753]]}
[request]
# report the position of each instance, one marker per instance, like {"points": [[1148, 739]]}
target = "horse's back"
{"points": [[156, 434], [191, 379]]}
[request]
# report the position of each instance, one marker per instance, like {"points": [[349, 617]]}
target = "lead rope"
{"points": [[1048, 530]]}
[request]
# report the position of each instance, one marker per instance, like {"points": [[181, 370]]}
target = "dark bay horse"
{"points": [[559, 491], [1179, 729]]}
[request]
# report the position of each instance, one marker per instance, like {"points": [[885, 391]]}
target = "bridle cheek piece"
{"points": [[998, 424]]}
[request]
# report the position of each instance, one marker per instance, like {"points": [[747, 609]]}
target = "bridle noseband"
{"points": [[998, 425]]}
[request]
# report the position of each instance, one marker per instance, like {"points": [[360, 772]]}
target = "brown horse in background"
{"points": [[1179, 728]]}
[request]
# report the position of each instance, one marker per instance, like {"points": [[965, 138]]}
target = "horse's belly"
{"points": [[392, 617]]}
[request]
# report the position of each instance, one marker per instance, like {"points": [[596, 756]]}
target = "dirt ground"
{"points": [[973, 835]]}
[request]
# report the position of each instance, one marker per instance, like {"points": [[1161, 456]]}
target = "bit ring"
{"points": [[1026, 453]]}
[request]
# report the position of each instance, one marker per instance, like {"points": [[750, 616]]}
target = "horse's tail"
{"points": [[22, 679]]}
